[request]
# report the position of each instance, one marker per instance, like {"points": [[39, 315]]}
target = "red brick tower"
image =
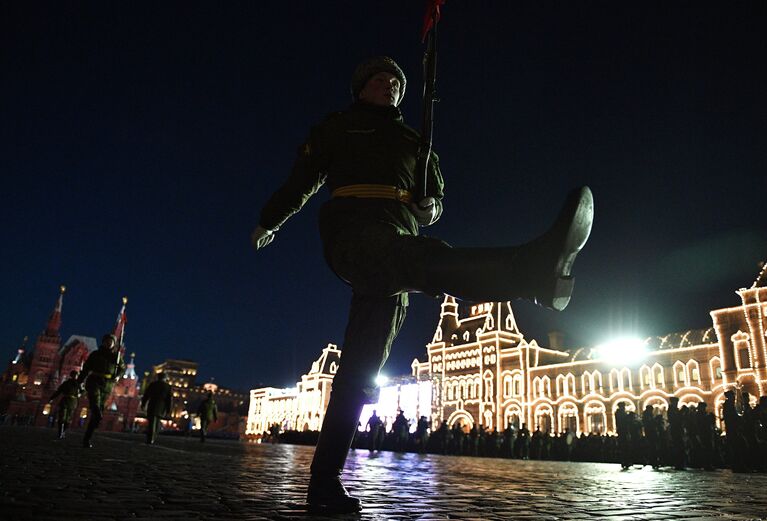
{"points": [[43, 369]]}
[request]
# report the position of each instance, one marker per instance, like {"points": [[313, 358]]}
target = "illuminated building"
{"points": [[31, 378], [481, 370]]}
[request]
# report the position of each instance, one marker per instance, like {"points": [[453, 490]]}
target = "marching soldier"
{"points": [[369, 228], [157, 400], [100, 373], [208, 412], [69, 391]]}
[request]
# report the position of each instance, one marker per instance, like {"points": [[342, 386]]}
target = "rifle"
{"points": [[429, 32]]}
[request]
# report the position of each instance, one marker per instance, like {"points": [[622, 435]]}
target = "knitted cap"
{"points": [[373, 66]]}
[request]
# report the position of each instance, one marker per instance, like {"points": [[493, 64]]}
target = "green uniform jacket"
{"points": [[159, 397], [69, 391], [208, 411], [101, 369], [365, 144]]}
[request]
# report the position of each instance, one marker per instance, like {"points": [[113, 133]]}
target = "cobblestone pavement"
{"points": [[180, 478]]}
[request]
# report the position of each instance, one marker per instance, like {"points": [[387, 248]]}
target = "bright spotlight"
{"points": [[381, 380], [622, 351]]}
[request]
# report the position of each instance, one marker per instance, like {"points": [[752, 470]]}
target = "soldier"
{"points": [[157, 400], [733, 431], [369, 229], [208, 412], [375, 436], [100, 373], [623, 430], [69, 391]]}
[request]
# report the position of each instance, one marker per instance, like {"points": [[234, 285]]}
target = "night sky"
{"points": [[138, 144]]}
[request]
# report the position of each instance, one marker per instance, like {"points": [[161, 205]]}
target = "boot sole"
{"points": [[579, 212]]}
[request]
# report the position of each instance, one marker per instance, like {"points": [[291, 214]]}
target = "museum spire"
{"points": [[54, 321]]}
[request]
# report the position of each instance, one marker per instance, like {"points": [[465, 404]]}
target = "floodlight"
{"points": [[624, 351], [381, 380]]}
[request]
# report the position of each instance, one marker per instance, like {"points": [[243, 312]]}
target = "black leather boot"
{"points": [[539, 271], [327, 495]]}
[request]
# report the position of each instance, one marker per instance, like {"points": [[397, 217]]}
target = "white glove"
{"points": [[426, 211], [261, 237]]}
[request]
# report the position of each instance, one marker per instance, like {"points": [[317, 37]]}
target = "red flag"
{"points": [[431, 16]]}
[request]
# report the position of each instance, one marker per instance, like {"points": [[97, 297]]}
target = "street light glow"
{"points": [[381, 380], [623, 351]]}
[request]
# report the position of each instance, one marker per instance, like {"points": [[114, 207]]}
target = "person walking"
{"points": [[208, 413], [69, 391], [100, 372], [157, 400]]}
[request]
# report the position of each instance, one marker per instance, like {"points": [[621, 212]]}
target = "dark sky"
{"points": [[137, 145]]}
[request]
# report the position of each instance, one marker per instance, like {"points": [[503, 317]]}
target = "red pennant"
{"points": [[431, 16]]}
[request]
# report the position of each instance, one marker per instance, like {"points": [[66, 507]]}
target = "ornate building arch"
{"points": [[460, 415], [567, 417], [544, 418], [595, 417]]}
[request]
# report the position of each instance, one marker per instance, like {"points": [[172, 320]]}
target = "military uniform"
{"points": [[69, 391], [157, 400], [100, 373], [208, 412], [368, 158]]}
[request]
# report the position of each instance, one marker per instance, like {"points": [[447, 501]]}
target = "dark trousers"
{"points": [[203, 429], [373, 324], [153, 425], [96, 398]]}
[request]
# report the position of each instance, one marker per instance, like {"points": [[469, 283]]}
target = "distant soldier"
{"points": [[69, 391], [705, 437], [523, 439], [422, 433], [400, 429], [157, 400], [100, 374], [652, 437], [676, 432], [374, 426], [208, 412], [735, 441], [623, 430]]}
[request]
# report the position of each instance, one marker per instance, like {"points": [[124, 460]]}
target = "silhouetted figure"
{"points": [[100, 373], [157, 400], [760, 414], [705, 436], [400, 430], [422, 434], [375, 432], [69, 391], [207, 411], [372, 164], [652, 437], [748, 429], [676, 433], [523, 442], [735, 441], [623, 430]]}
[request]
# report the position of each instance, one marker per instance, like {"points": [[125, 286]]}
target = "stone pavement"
{"points": [[182, 479]]}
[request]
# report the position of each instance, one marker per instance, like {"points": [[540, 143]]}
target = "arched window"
{"points": [[547, 385], [693, 369], [645, 378], [507, 386], [517, 385], [561, 386], [615, 379], [570, 384], [625, 379], [488, 386], [680, 374], [657, 371], [715, 366]]}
